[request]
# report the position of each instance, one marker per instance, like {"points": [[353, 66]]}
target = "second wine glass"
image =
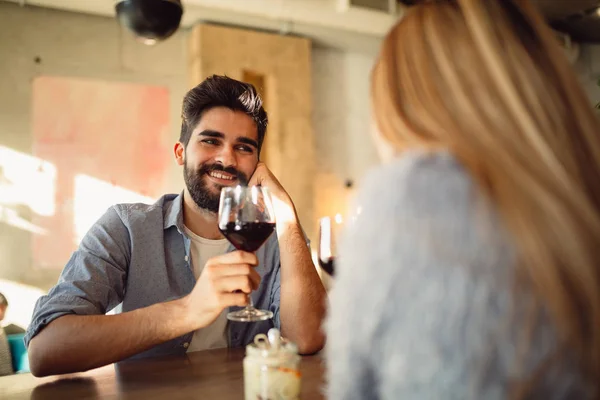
{"points": [[329, 230], [246, 219]]}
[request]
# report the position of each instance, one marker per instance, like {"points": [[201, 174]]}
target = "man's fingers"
{"points": [[255, 278], [220, 271], [257, 176], [233, 299], [217, 272], [234, 257], [232, 283]]}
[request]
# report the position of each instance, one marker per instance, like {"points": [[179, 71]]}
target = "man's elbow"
{"points": [[43, 359], [39, 370], [39, 364], [312, 344]]}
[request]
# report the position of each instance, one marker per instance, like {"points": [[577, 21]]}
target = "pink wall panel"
{"points": [[110, 138]]}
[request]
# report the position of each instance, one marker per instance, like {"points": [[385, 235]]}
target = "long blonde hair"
{"points": [[487, 80]]}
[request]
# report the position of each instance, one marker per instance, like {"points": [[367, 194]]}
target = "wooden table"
{"points": [[212, 374]]}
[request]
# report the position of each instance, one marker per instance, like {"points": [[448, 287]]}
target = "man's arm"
{"points": [[74, 343], [71, 343], [302, 295]]}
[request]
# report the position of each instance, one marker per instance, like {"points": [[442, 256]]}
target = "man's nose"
{"points": [[226, 157]]}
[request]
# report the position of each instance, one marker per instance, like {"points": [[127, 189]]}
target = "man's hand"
{"points": [[302, 301], [64, 346], [225, 281], [285, 212]]}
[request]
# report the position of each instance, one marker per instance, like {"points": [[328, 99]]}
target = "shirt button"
{"points": [[186, 258], [186, 345]]}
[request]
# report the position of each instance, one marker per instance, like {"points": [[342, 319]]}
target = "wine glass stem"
{"points": [[250, 305]]}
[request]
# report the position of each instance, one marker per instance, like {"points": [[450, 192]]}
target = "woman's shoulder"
{"points": [[428, 184], [430, 260], [430, 199], [418, 170]]}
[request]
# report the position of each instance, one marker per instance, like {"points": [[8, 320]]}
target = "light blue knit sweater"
{"points": [[422, 307]]}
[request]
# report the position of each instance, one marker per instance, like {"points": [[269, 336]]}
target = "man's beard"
{"points": [[198, 188]]}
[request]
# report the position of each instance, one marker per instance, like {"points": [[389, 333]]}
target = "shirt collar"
{"points": [[174, 213]]}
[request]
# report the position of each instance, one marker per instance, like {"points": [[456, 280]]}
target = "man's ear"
{"points": [[179, 150]]}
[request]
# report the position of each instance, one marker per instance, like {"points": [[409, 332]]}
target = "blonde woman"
{"points": [[473, 271]]}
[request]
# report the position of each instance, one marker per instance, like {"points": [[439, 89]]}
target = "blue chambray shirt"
{"points": [[137, 255]]}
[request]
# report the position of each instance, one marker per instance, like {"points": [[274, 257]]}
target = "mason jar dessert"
{"points": [[271, 368]]}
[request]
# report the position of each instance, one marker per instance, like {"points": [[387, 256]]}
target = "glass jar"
{"points": [[271, 369]]}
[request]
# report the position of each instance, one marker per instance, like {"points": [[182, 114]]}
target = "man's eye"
{"points": [[245, 149], [210, 141]]}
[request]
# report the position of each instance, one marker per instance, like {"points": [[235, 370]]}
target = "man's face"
{"points": [[222, 151], [2, 312]]}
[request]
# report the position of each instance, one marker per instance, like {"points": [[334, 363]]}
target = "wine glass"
{"points": [[246, 219], [329, 229]]}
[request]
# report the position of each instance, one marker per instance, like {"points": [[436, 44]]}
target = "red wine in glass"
{"points": [[328, 265], [329, 229], [248, 236], [247, 219]]}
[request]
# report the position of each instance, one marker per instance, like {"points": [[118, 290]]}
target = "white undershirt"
{"points": [[213, 336]]}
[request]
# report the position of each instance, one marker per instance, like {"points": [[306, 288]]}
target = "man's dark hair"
{"points": [[222, 91], [3, 301]]}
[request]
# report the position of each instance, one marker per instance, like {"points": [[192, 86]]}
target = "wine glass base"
{"points": [[249, 315]]}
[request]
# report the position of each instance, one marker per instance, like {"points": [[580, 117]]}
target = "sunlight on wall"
{"points": [[27, 180], [102, 136], [12, 218], [93, 197], [21, 301]]}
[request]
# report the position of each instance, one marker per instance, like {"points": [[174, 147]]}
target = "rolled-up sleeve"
{"points": [[274, 259], [93, 281], [275, 298]]}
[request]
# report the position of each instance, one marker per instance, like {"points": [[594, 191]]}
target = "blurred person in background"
{"points": [[3, 307], [473, 270], [9, 329], [6, 367]]}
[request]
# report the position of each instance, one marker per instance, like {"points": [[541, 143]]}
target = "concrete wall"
{"points": [[341, 118], [36, 42]]}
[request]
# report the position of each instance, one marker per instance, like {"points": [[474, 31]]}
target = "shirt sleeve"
{"points": [[275, 295], [422, 284], [93, 281]]}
